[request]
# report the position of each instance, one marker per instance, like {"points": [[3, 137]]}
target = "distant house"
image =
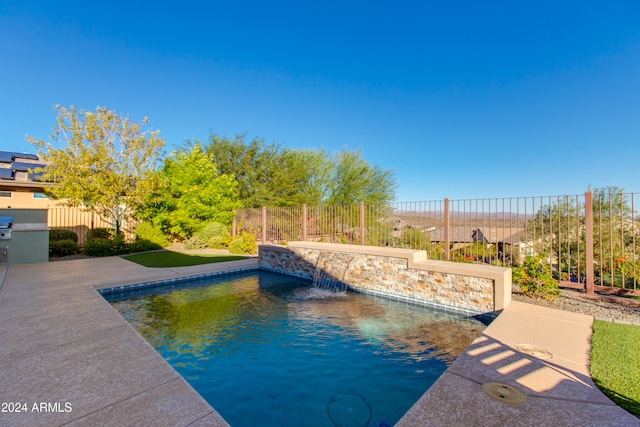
{"points": [[459, 236], [502, 237], [495, 235], [20, 185]]}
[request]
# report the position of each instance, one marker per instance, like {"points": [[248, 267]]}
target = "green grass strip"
{"points": [[178, 259], [615, 363]]}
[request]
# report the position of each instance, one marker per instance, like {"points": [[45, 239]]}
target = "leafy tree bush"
{"points": [[211, 230], [194, 193], [99, 246], [217, 242], [107, 162], [105, 246], [535, 279], [245, 244], [147, 231], [57, 234], [59, 248]]}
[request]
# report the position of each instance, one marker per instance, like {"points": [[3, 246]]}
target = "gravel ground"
{"points": [[578, 303]]}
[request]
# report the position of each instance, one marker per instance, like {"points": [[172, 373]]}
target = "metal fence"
{"points": [[589, 241]]}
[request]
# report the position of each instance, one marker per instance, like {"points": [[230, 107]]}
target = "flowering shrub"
{"points": [[535, 279], [245, 244]]}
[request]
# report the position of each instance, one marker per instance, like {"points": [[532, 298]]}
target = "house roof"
{"points": [[10, 156], [470, 234], [12, 164], [456, 234], [510, 235]]}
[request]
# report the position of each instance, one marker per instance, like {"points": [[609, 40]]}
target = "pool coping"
{"points": [[64, 344]]}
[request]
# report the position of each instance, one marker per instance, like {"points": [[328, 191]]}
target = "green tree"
{"points": [[352, 180], [273, 175], [194, 193], [269, 174], [107, 164]]}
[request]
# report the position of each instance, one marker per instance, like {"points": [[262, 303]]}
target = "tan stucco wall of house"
{"points": [[24, 199]]}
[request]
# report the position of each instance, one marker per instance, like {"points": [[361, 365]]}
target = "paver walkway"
{"points": [[68, 358], [539, 351]]}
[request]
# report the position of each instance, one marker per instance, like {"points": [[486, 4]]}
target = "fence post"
{"points": [[446, 230], [304, 222], [588, 219], [362, 223], [264, 225]]}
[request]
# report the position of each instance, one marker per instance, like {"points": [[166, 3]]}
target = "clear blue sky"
{"points": [[461, 99]]}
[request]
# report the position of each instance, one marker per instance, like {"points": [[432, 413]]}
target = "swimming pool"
{"points": [[266, 349]]}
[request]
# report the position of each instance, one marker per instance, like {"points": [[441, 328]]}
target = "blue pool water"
{"points": [[268, 350]]}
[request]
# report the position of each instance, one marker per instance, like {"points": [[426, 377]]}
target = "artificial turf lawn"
{"points": [[178, 259], [615, 363]]}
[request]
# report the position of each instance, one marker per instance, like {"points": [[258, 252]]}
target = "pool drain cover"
{"points": [[504, 393], [534, 351], [346, 409]]}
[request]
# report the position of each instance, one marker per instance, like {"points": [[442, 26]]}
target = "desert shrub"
{"points": [[142, 245], [245, 244], [212, 229], [194, 242], [147, 231], [98, 246], [413, 238], [58, 248], [535, 279], [217, 242], [477, 252], [56, 235]]}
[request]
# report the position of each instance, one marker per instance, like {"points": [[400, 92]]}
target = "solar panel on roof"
{"points": [[7, 156], [24, 167], [25, 156], [6, 173]]}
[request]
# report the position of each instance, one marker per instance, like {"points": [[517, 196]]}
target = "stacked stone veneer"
{"points": [[394, 272]]}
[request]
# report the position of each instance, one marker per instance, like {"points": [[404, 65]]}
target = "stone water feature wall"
{"points": [[401, 273]]}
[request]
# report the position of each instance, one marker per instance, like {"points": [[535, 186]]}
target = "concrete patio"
{"points": [[64, 346]]}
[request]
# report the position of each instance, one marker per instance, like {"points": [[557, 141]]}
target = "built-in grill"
{"points": [[5, 227]]}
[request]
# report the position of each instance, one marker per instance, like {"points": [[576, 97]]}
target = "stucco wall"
{"points": [[29, 238], [396, 272]]}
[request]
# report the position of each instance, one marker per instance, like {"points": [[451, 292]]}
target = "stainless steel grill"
{"points": [[6, 222]]}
